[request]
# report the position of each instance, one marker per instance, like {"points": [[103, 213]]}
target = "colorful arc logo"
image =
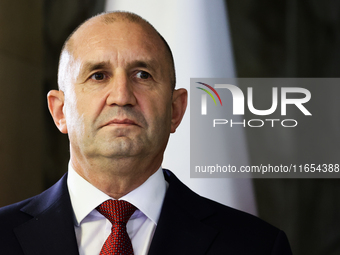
{"points": [[204, 97]]}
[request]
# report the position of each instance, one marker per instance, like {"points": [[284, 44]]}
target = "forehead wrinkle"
{"points": [[128, 59], [148, 64], [90, 66], [90, 41], [139, 63], [116, 17]]}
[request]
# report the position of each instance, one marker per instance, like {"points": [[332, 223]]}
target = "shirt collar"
{"points": [[85, 197]]}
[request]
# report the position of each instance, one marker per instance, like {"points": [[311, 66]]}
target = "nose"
{"points": [[120, 91]]}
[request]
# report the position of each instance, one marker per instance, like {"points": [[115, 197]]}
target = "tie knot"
{"points": [[116, 210]]}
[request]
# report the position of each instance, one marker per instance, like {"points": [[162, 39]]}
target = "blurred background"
{"points": [[267, 39]]}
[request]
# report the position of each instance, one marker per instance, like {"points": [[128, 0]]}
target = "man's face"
{"points": [[118, 101]]}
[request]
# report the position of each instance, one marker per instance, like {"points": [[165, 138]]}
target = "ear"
{"points": [[55, 99], [179, 104]]}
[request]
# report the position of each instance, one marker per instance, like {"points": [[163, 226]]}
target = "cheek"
{"points": [[93, 102], [157, 113], [75, 117], [83, 106]]}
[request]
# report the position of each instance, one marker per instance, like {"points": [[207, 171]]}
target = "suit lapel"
{"points": [[180, 229], [51, 230]]}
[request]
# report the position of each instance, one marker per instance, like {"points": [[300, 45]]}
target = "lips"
{"points": [[120, 122]]}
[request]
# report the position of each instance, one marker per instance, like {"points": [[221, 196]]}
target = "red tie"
{"points": [[118, 212]]}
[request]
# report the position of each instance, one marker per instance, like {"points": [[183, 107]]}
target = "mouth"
{"points": [[121, 122]]}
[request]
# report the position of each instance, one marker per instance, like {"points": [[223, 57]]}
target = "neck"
{"points": [[115, 177]]}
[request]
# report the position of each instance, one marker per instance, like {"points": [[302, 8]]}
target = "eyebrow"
{"points": [[90, 66], [150, 64]]}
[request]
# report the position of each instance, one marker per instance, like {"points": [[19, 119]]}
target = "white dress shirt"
{"points": [[92, 228]]}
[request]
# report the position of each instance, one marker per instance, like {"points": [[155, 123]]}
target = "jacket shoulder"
{"points": [[241, 232], [20, 214], [11, 215], [237, 220]]}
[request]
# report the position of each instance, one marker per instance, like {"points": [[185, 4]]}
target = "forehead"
{"points": [[121, 40]]}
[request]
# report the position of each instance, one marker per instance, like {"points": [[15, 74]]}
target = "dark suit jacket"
{"points": [[188, 224]]}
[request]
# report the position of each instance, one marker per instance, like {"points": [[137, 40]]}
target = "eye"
{"points": [[143, 75], [98, 76]]}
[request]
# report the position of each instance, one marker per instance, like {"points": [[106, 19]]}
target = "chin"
{"points": [[123, 149]]}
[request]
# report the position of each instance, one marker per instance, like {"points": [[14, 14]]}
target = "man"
{"points": [[118, 104]]}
